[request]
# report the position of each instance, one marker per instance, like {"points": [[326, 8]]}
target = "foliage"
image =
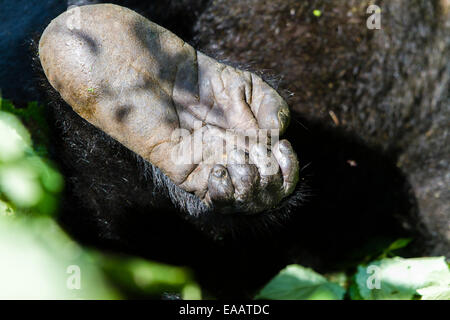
{"points": [[28, 182], [403, 279], [298, 283], [139, 277], [387, 279], [42, 262], [437, 292], [33, 116]]}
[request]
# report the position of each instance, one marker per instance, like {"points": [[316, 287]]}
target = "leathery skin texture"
{"points": [[211, 128]]}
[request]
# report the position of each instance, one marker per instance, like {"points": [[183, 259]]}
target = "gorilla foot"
{"points": [[211, 128]]}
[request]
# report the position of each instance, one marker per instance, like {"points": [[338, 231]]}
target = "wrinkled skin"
{"points": [[141, 84]]}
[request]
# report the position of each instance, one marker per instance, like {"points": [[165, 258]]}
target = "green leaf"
{"points": [[339, 278], [5, 209], [15, 139], [353, 292], [38, 262], [399, 278], [396, 245], [33, 117], [20, 184], [435, 292], [28, 182], [146, 279], [440, 289], [298, 283]]}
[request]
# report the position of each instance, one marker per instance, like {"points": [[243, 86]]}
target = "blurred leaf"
{"points": [[143, 278], [33, 116], [399, 278], [27, 182], [5, 209], [353, 292], [298, 283], [15, 139], [21, 185], [49, 177], [435, 292], [339, 278], [396, 245], [191, 291], [47, 205], [37, 258], [399, 244]]}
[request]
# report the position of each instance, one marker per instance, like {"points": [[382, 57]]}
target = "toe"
{"points": [[245, 177], [288, 162], [220, 187], [264, 160], [269, 108], [271, 182]]}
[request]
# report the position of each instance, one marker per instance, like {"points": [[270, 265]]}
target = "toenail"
{"points": [[282, 115], [284, 149], [219, 172]]}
